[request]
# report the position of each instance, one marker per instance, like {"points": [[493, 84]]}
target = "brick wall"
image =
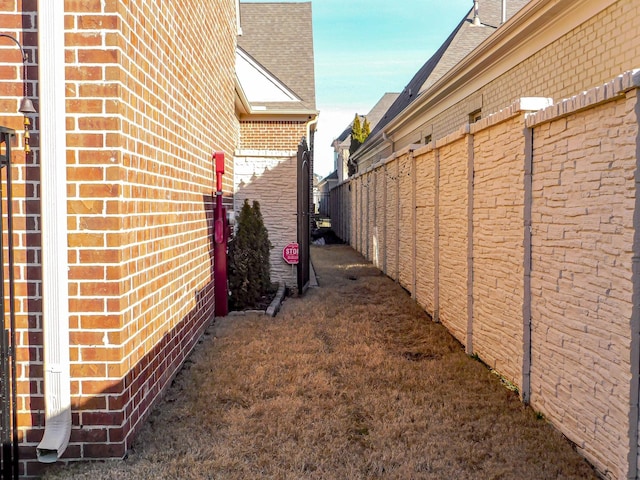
{"points": [[271, 135], [20, 22], [142, 121]]}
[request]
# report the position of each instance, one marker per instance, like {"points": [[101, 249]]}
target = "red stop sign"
{"points": [[290, 253]]}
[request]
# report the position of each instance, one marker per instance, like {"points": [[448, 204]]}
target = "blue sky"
{"points": [[364, 48]]}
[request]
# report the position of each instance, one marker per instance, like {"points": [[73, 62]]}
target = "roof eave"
{"points": [[504, 48]]}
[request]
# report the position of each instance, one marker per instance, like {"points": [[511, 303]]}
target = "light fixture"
{"points": [[26, 105]]}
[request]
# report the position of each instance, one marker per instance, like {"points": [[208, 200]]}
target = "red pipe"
{"points": [[220, 237]]}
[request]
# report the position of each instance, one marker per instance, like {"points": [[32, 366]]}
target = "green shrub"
{"points": [[248, 263]]}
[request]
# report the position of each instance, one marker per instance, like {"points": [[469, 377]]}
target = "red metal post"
{"points": [[220, 237]]}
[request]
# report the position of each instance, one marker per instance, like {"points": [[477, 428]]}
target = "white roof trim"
{"points": [[258, 84]]}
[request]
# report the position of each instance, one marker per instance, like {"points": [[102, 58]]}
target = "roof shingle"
{"points": [[279, 36], [464, 39]]}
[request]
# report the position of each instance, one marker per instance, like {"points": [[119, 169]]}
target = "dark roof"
{"points": [[462, 41], [332, 176], [410, 92], [344, 135], [279, 37]]}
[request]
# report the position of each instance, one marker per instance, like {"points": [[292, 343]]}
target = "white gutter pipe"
{"points": [[53, 191], [311, 123]]}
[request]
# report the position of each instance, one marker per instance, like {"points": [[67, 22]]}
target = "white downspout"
{"points": [[309, 124], [53, 191]]}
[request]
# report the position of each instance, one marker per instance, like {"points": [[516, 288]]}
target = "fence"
{"points": [[520, 234]]}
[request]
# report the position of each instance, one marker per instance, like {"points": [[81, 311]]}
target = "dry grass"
{"points": [[353, 381]]}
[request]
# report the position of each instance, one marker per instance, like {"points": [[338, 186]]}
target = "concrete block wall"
{"points": [[405, 221], [391, 215], [453, 227], [140, 134], [379, 234], [498, 250], [583, 286], [425, 194], [579, 364]]}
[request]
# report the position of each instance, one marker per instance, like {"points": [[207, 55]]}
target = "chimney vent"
{"points": [[476, 16]]}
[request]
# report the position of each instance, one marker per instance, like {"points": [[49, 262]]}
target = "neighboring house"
{"points": [[324, 187], [114, 204], [502, 192], [342, 143], [316, 195], [276, 107], [475, 28], [341, 146]]}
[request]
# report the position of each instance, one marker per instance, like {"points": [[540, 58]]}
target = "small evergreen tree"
{"points": [[366, 129], [359, 133], [356, 135], [249, 265]]}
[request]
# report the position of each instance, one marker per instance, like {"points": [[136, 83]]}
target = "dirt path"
{"points": [[353, 381]]}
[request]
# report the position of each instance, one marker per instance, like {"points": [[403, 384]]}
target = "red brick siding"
{"points": [[271, 135], [149, 97]]}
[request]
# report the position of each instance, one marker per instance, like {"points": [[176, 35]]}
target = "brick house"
{"points": [[276, 107], [132, 99], [503, 195], [473, 29]]}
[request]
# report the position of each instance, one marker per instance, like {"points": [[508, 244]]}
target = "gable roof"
{"points": [[464, 39], [260, 85], [279, 38]]}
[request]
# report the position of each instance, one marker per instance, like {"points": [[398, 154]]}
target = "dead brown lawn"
{"points": [[353, 381]]}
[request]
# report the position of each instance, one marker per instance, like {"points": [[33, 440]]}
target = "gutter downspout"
{"points": [[308, 126], [53, 186]]}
